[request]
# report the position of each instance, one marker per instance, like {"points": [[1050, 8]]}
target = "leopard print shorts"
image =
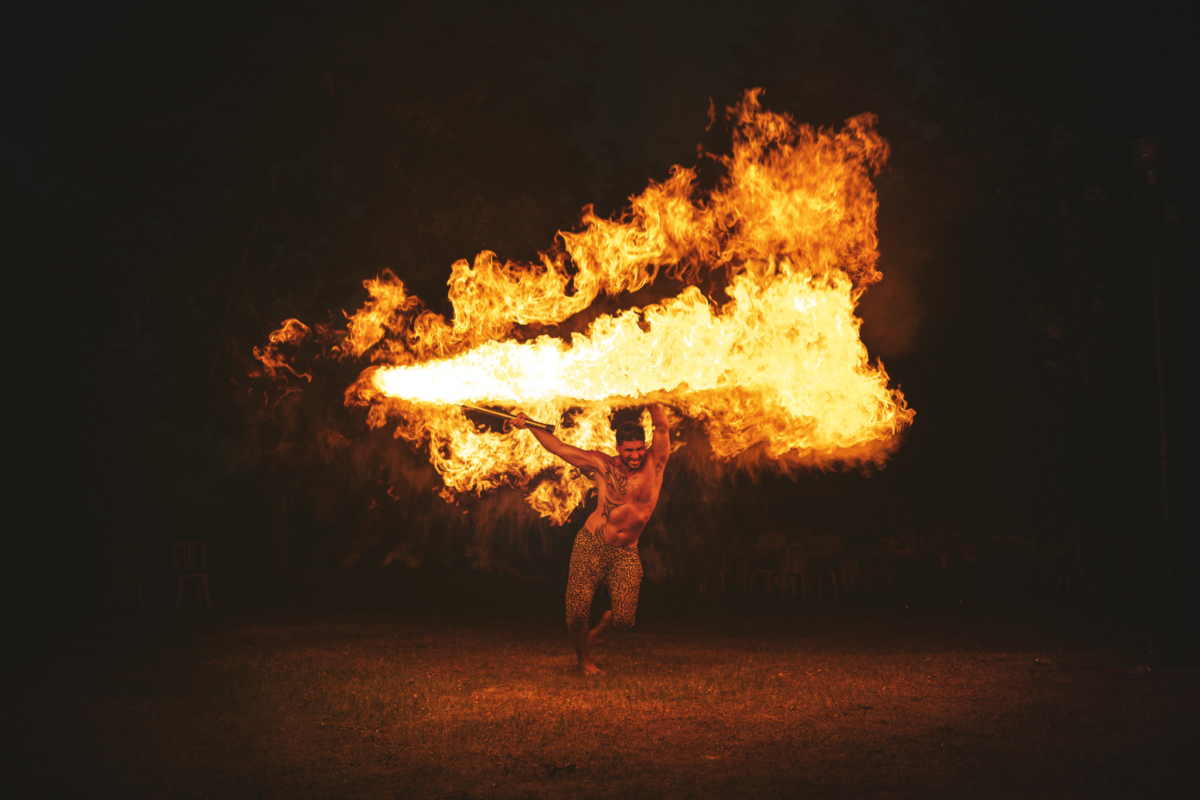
{"points": [[594, 561]]}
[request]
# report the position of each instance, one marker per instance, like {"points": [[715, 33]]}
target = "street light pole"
{"points": [[1147, 157]]}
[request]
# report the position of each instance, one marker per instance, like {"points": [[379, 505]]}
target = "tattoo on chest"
{"points": [[617, 481]]}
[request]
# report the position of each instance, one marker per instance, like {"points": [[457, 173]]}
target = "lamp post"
{"points": [[1147, 160]]}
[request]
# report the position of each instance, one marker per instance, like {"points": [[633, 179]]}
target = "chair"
{"points": [[1081, 567], [1027, 557], [191, 563], [879, 572], [833, 580], [121, 567], [1053, 562], [826, 551], [1130, 567], [794, 567], [1003, 551], [712, 582], [768, 576]]}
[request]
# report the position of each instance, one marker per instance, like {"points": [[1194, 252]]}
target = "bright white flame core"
{"points": [[768, 341]]}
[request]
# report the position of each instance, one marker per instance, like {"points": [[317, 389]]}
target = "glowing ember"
{"points": [[779, 365]]}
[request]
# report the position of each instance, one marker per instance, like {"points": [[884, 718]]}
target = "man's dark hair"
{"points": [[630, 432]]}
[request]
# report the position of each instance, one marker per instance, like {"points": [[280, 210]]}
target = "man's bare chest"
{"points": [[619, 487], [643, 487]]}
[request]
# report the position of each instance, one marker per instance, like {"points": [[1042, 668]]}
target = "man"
{"points": [[606, 548]]}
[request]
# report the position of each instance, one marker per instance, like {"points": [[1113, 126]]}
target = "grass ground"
{"points": [[845, 705]]}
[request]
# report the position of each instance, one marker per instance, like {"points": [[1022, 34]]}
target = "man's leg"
{"points": [[599, 634], [624, 582], [585, 574]]}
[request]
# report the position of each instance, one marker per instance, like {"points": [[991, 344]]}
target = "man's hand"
{"points": [[658, 416], [517, 422]]}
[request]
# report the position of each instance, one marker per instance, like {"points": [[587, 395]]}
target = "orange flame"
{"points": [[778, 366], [293, 332]]}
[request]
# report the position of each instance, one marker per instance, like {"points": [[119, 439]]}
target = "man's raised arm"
{"points": [[660, 449], [584, 459]]}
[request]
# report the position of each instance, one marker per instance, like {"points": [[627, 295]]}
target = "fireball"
{"points": [[776, 364]]}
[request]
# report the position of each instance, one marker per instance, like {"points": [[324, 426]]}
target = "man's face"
{"points": [[632, 454]]}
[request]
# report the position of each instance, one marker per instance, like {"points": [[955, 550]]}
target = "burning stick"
{"points": [[545, 426]]}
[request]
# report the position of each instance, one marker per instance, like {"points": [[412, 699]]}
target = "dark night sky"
{"points": [[178, 178]]}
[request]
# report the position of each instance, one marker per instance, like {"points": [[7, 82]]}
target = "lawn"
{"points": [[840, 704]]}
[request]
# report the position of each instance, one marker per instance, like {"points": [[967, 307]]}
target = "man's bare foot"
{"points": [[588, 668], [599, 633]]}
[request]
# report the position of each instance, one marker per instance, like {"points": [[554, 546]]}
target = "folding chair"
{"points": [[121, 567], [794, 567], [191, 563], [826, 551]]}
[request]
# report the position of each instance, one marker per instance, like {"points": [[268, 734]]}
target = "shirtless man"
{"points": [[606, 548]]}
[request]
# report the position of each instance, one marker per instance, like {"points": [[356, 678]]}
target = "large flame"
{"points": [[778, 366]]}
